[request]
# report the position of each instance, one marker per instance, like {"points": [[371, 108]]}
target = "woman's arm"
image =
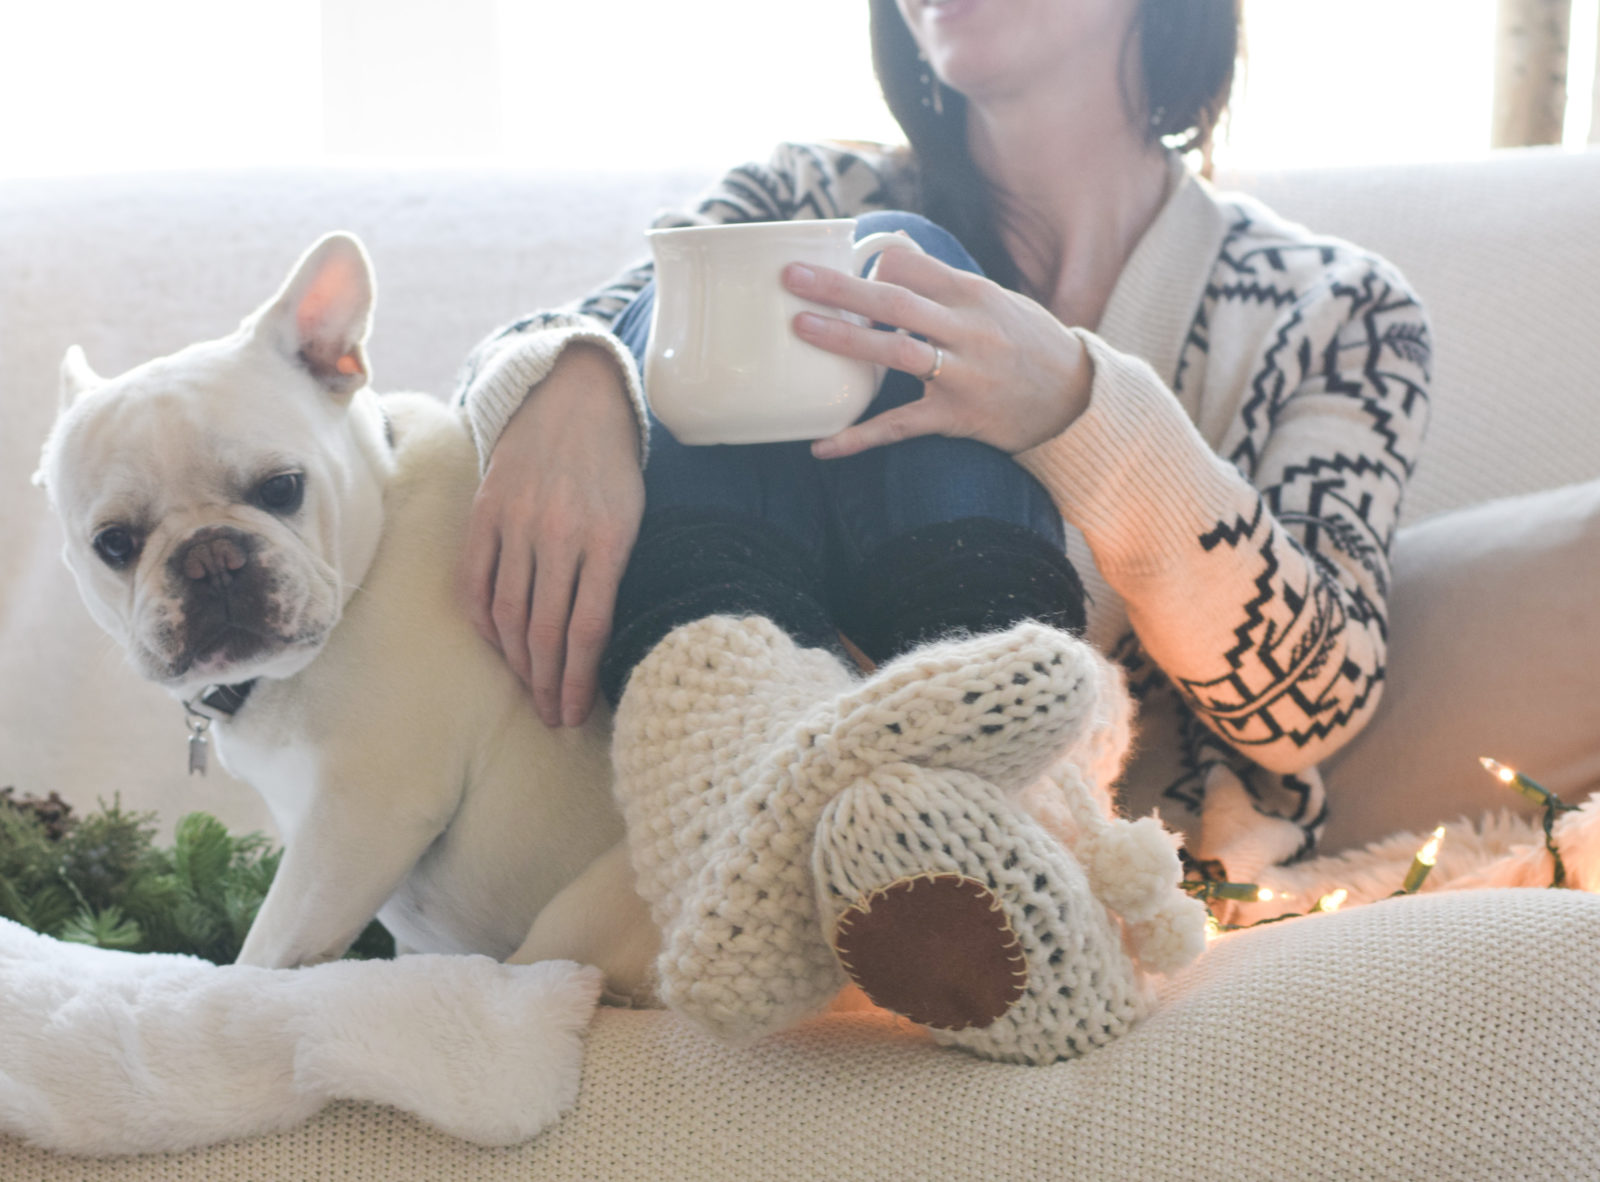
{"points": [[551, 529], [559, 419], [1258, 582]]}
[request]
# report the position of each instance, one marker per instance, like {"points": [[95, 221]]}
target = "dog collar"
{"points": [[226, 701]]}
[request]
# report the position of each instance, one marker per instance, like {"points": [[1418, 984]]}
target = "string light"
{"points": [[1333, 900], [1552, 804], [1421, 866], [1423, 863], [1510, 778], [1230, 892]]}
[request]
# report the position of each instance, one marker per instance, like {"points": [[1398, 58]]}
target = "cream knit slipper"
{"points": [[1132, 867], [730, 741], [719, 828], [1002, 705], [948, 905]]}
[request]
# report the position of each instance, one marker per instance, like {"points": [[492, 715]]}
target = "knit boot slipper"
{"points": [[719, 830], [948, 905], [1002, 705]]}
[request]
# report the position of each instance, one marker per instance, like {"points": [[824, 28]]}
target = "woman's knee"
{"points": [[632, 325], [931, 236]]}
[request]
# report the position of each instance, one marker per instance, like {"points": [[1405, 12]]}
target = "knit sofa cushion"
{"points": [[1441, 1035]]}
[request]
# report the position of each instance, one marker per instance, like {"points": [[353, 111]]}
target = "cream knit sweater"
{"points": [[1259, 401]]}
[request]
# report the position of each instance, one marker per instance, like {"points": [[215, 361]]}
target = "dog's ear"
{"points": [[76, 376], [77, 379], [322, 314]]}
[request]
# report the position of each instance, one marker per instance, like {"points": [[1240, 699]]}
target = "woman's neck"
{"points": [[1077, 185]]}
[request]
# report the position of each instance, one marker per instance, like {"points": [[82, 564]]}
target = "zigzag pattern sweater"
{"points": [[1259, 399]]}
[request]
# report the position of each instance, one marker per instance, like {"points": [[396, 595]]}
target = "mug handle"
{"points": [[872, 244], [864, 249]]}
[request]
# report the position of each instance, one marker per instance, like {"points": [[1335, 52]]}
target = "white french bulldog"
{"points": [[265, 535]]}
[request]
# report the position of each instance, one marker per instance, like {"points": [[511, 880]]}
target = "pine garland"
{"points": [[100, 879]]}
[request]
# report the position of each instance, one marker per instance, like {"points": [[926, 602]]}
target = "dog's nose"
{"points": [[213, 556]]}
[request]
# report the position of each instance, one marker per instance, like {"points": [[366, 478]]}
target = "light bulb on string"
{"points": [[1552, 804], [1423, 863]]}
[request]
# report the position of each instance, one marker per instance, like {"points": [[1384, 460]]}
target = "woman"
{"points": [[1209, 413]]}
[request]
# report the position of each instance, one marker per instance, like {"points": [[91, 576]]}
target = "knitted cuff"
{"points": [[974, 575], [689, 564], [1133, 473], [513, 365]]}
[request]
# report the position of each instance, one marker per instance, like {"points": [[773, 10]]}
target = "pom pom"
{"points": [[1171, 938], [1133, 867]]}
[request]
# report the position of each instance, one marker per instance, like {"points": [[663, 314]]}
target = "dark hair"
{"points": [[1186, 50]]}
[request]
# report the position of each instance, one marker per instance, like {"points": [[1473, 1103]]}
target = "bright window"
{"points": [[125, 84]]}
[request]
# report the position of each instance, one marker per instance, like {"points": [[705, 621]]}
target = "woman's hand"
{"points": [[552, 525], [1012, 375]]}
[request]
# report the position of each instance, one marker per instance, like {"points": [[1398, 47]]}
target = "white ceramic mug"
{"points": [[724, 364]]}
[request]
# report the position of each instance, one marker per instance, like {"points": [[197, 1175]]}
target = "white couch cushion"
{"points": [[1494, 649]]}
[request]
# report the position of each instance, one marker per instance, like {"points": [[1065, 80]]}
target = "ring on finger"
{"points": [[936, 368]]}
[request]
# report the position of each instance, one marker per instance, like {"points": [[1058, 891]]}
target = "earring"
{"points": [[933, 95]]}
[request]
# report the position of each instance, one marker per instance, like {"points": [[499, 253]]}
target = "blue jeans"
{"points": [[891, 547], [845, 509]]}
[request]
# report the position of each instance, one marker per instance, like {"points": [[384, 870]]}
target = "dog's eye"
{"points": [[282, 493], [116, 546]]}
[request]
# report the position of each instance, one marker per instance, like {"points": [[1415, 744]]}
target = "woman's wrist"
{"points": [[524, 362], [1066, 403], [586, 385], [585, 368]]}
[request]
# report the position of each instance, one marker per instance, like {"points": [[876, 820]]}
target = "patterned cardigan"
{"points": [[1259, 399]]}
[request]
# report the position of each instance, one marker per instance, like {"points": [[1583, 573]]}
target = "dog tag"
{"points": [[199, 743]]}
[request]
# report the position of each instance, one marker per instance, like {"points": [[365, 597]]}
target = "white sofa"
{"points": [[1465, 1043]]}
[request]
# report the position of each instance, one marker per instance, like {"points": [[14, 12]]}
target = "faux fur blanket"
{"points": [[1498, 850], [111, 1052]]}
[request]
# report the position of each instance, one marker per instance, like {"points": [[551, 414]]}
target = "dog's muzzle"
{"points": [[228, 595], [213, 556]]}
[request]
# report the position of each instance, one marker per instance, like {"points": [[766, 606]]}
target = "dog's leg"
{"points": [[338, 868], [599, 919]]}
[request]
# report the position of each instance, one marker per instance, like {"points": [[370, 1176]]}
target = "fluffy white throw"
{"points": [[110, 1052]]}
